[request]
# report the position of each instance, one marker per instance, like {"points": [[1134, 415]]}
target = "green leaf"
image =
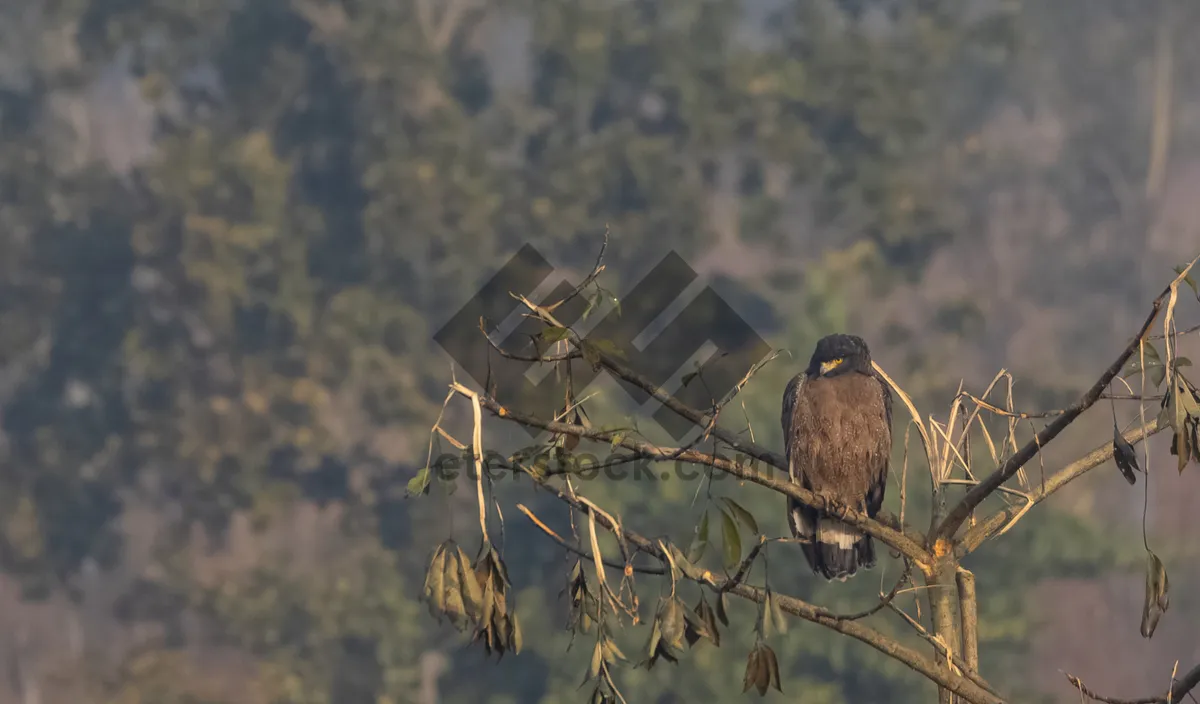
{"points": [[554, 334], [732, 540], [743, 516], [1189, 280], [609, 348], [1150, 352], [1157, 373], [419, 484], [700, 541], [593, 299], [590, 355]]}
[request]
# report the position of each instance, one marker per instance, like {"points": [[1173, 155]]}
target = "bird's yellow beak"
{"points": [[831, 364]]}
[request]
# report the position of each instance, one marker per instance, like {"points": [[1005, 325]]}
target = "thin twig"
{"points": [[959, 514], [584, 553], [1179, 688]]}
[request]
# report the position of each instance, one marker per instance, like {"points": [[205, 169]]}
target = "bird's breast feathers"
{"points": [[841, 435]]}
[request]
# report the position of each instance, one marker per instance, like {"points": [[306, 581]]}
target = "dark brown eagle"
{"points": [[837, 434]]}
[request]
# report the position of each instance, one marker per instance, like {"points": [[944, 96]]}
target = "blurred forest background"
{"points": [[230, 228]]}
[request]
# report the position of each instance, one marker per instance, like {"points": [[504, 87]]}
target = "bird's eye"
{"points": [[831, 364]]}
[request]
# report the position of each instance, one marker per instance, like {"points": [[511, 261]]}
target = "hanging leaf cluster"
{"points": [[702, 622], [605, 654], [583, 604], [770, 617], [475, 595], [732, 515], [675, 624], [762, 670], [762, 667], [1181, 411], [1157, 596]]}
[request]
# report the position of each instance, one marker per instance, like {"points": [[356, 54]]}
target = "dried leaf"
{"points": [[772, 668], [597, 659], [732, 540], [614, 650], [471, 592], [700, 541], [488, 600], [721, 604], [780, 622], [1157, 597], [743, 516], [750, 679], [705, 613], [435, 583], [673, 623], [515, 639], [454, 607], [694, 628], [1124, 456], [652, 645], [765, 621]]}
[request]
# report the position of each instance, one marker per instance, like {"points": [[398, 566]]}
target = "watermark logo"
{"points": [[706, 319], [540, 463]]}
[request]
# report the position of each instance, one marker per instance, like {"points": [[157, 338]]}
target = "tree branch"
{"points": [[584, 553], [938, 672], [1015, 462], [1178, 689], [968, 610], [894, 538], [988, 527]]}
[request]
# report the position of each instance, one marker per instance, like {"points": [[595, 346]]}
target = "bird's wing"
{"points": [[880, 471], [887, 399], [791, 396]]}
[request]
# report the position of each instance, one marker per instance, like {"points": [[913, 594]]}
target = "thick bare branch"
{"points": [[969, 613], [905, 544], [937, 671]]}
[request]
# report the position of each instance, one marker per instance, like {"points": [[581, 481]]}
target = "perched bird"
{"points": [[837, 434]]}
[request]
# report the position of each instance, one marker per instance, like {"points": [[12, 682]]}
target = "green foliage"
{"points": [[240, 326]]}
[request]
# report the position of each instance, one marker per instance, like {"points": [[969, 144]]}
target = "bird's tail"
{"points": [[835, 549]]}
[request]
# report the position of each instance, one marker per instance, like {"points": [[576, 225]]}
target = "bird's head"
{"points": [[839, 354]]}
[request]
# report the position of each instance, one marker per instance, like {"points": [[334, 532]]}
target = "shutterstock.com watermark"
{"points": [[705, 319], [543, 462]]}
